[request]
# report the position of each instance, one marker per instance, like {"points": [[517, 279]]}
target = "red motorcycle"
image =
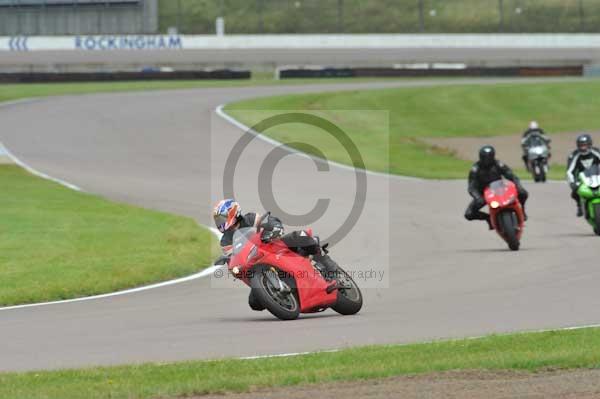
{"points": [[286, 283], [506, 212]]}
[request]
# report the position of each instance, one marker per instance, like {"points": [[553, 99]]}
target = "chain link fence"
{"points": [[19, 17], [381, 16]]}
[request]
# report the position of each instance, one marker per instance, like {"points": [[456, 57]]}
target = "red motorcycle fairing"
{"points": [[501, 196], [310, 285]]}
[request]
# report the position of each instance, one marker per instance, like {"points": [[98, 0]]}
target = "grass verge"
{"points": [[527, 351], [443, 111], [16, 91], [56, 243]]}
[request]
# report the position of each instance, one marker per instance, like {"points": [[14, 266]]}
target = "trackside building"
{"points": [[78, 17]]}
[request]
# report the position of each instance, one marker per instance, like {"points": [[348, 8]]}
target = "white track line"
{"points": [[435, 341], [36, 172], [287, 354], [206, 272], [221, 112]]}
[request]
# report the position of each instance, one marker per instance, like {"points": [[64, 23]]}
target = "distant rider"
{"points": [[581, 159], [484, 172], [533, 129], [228, 218]]}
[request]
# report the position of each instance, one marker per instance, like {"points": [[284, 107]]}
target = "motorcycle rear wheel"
{"points": [[507, 225], [283, 305], [349, 300]]}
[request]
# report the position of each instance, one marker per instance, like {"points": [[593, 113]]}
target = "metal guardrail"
{"points": [[420, 71], [38, 77]]}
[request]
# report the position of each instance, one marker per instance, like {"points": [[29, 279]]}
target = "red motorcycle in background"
{"points": [[506, 212], [286, 283]]}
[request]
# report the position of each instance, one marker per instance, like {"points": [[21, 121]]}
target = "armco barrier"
{"points": [[37, 77], [311, 72]]}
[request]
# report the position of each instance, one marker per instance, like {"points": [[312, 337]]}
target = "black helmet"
{"points": [[584, 143], [487, 155]]}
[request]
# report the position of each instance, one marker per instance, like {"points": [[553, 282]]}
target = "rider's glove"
{"points": [[574, 186], [270, 228]]}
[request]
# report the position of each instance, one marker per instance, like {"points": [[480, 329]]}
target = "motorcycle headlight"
{"points": [[494, 204]]}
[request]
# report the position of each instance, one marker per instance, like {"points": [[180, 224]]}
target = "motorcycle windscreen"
{"points": [[241, 238], [535, 140], [537, 151], [498, 188]]}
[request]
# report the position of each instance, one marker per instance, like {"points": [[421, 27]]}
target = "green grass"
{"points": [[529, 352], [17, 91], [56, 243], [442, 111], [379, 16]]}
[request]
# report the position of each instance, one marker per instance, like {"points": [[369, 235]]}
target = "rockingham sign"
{"points": [[91, 43], [128, 42], [300, 42]]}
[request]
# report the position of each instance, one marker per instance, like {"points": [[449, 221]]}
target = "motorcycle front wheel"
{"points": [[508, 226], [539, 172], [267, 286]]}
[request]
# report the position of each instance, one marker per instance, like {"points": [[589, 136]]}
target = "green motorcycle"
{"points": [[589, 193]]}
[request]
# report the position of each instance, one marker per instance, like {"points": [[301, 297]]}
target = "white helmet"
{"points": [[533, 125]]}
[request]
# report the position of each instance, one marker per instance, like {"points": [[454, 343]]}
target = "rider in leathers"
{"points": [[533, 128], [582, 158], [228, 218], [484, 172]]}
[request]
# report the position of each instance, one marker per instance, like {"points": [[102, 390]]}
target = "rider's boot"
{"points": [[488, 219], [328, 264], [579, 210]]}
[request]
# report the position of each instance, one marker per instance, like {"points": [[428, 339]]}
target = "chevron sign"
{"points": [[18, 43]]}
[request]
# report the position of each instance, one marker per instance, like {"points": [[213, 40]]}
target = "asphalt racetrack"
{"points": [[443, 277]]}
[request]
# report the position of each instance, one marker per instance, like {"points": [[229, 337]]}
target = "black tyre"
{"points": [[542, 175], [539, 174], [349, 299], [597, 219], [508, 225], [283, 304]]}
